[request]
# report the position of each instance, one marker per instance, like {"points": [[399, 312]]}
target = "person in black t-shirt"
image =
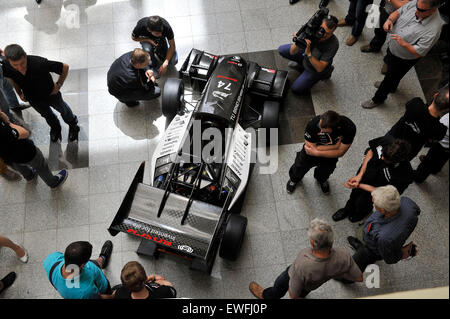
{"points": [[328, 137], [137, 285], [21, 153], [385, 163], [157, 38], [30, 76], [131, 79], [420, 123]]}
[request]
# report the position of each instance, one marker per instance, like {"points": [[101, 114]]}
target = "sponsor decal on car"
{"points": [[185, 248], [147, 236]]}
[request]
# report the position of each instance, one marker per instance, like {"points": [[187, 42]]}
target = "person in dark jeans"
{"points": [[435, 159], [415, 28], [327, 138], [157, 38], [21, 154], [130, 78], [315, 61], [30, 76], [313, 267], [386, 8], [387, 229], [386, 162], [356, 17]]}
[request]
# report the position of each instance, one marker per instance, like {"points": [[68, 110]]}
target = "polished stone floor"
{"points": [[114, 140]]}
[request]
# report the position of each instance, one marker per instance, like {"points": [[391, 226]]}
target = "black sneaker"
{"points": [[8, 280], [106, 252], [340, 215], [73, 133], [55, 135], [62, 176], [290, 186], [325, 187], [132, 103], [354, 242]]}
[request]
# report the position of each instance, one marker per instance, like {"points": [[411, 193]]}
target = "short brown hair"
{"points": [[329, 119], [133, 276], [14, 52], [139, 56], [396, 152]]}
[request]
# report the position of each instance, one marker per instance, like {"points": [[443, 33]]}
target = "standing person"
{"points": [[21, 253], [315, 61], [21, 153], [313, 267], [74, 276], [137, 285], [385, 231], [30, 76], [386, 163], [130, 78], [435, 159], [356, 17], [328, 137], [386, 8], [420, 123], [157, 38], [414, 28]]}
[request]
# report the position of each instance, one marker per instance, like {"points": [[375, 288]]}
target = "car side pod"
{"points": [[233, 237]]}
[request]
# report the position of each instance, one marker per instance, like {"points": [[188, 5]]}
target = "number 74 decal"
{"points": [[220, 84]]}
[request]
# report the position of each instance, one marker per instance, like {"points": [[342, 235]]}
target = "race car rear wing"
{"points": [[266, 82]]}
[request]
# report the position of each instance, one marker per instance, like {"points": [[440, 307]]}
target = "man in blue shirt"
{"points": [[74, 276], [387, 229]]}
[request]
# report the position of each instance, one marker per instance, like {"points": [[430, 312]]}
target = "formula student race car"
{"points": [[192, 206]]}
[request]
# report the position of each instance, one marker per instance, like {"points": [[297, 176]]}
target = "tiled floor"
{"points": [[115, 139]]}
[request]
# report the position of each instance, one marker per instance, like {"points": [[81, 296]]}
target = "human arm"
{"points": [[62, 77], [389, 24], [150, 75], [354, 181], [143, 39], [410, 48], [319, 65], [18, 90], [329, 151], [21, 134], [163, 68], [398, 3]]}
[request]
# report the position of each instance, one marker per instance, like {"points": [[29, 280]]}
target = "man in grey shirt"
{"points": [[414, 28], [313, 267], [387, 229]]}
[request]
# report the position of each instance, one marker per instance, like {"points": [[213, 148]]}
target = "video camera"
{"points": [[312, 30]]}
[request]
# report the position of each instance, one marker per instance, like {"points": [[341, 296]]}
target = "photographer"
{"points": [[387, 229], [315, 59], [130, 78]]}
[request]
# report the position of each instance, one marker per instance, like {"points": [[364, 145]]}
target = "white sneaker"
{"points": [[24, 258]]}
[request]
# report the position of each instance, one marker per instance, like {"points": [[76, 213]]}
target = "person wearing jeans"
{"points": [[313, 267], [315, 60], [356, 17]]}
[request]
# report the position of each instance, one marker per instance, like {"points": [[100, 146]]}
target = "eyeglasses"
{"points": [[422, 10]]}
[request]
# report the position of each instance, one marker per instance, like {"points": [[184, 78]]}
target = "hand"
{"points": [[399, 40], [308, 47], [406, 249], [163, 68], [149, 74], [310, 149], [2, 53], [22, 97], [388, 25], [4, 118], [55, 89]]}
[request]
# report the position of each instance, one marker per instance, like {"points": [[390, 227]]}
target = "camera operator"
{"points": [[130, 78], [315, 59]]}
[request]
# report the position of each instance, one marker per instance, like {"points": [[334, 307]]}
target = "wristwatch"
{"points": [[59, 84]]}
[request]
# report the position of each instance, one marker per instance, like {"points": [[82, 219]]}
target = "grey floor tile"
{"points": [[66, 236], [104, 179], [39, 245], [235, 283], [13, 219], [267, 249], [103, 207], [41, 215], [73, 212]]}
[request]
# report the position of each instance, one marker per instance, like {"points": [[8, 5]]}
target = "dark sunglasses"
{"points": [[422, 10]]}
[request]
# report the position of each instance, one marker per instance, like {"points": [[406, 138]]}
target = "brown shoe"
{"points": [[256, 290], [384, 69], [10, 175], [351, 40], [342, 23]]}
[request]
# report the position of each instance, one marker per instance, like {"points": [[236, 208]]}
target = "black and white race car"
{"points": [[198, 184]]}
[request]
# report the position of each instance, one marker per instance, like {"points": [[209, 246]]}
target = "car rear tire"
{"points": [[172, 97], [233, 236], [271, 110]]}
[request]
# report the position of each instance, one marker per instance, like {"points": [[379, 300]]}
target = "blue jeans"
{"points": [[8, 97], [307, 79], [56, 101], [357, 15]]}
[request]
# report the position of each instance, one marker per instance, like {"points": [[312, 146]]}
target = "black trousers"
{"points": [[304, 162], [397, 69], [281, 287], [44, 108], [359, 205], [357, 15], [364, 257], [380, 35], [433, 162]]}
